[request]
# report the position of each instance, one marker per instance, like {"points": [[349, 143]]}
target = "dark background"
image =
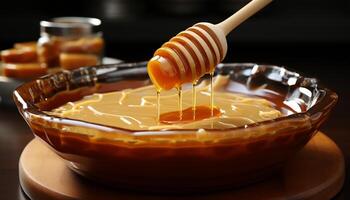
{"points": [[287, 31], [311, 36]]}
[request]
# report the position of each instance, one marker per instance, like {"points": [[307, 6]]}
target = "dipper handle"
{"points": [[243, 14]]}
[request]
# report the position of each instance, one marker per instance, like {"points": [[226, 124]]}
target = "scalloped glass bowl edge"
{"points": [[235, 156]]}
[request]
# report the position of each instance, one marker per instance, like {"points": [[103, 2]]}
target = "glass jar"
{"points": [[70, 42]]}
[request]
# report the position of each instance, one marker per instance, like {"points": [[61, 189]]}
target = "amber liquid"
{"points": [[179, 90], [194, 98], [202, 112], [158, 105], [211, 94], [190, 114]]}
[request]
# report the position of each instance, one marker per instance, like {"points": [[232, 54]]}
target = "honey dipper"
{"points": [[196, 51]]}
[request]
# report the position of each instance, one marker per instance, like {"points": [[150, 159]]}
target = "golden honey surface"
{"points": [[136, 109]]}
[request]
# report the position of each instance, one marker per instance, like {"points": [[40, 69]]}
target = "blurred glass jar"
{"points": [[70, 42]]}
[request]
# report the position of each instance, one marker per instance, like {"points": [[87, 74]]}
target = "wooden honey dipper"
{"points": [[196, 51]]}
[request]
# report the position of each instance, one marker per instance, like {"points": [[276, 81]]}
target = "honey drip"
{"points": [[211, 94], [190, 114], [202, 112], [179, 90], [158, 106], [194, 97]]}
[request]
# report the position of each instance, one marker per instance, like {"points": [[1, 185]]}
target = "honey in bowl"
{"points": [[136, 109], [179, 160]]}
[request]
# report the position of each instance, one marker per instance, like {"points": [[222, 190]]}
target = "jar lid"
{"points": [[70, 26]]}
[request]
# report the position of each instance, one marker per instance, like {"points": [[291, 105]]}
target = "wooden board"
{"points": [[316, 172]]}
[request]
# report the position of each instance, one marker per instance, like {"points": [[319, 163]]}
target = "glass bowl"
{"points": [[175, 160]]}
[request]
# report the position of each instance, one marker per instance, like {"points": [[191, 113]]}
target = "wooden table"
{"points": [[15, 134]]}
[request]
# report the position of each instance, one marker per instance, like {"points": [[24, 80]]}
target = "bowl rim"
{"points": [[26, 108]]}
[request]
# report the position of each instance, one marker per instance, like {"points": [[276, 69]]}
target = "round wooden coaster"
{"points": [[316, 172]]}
